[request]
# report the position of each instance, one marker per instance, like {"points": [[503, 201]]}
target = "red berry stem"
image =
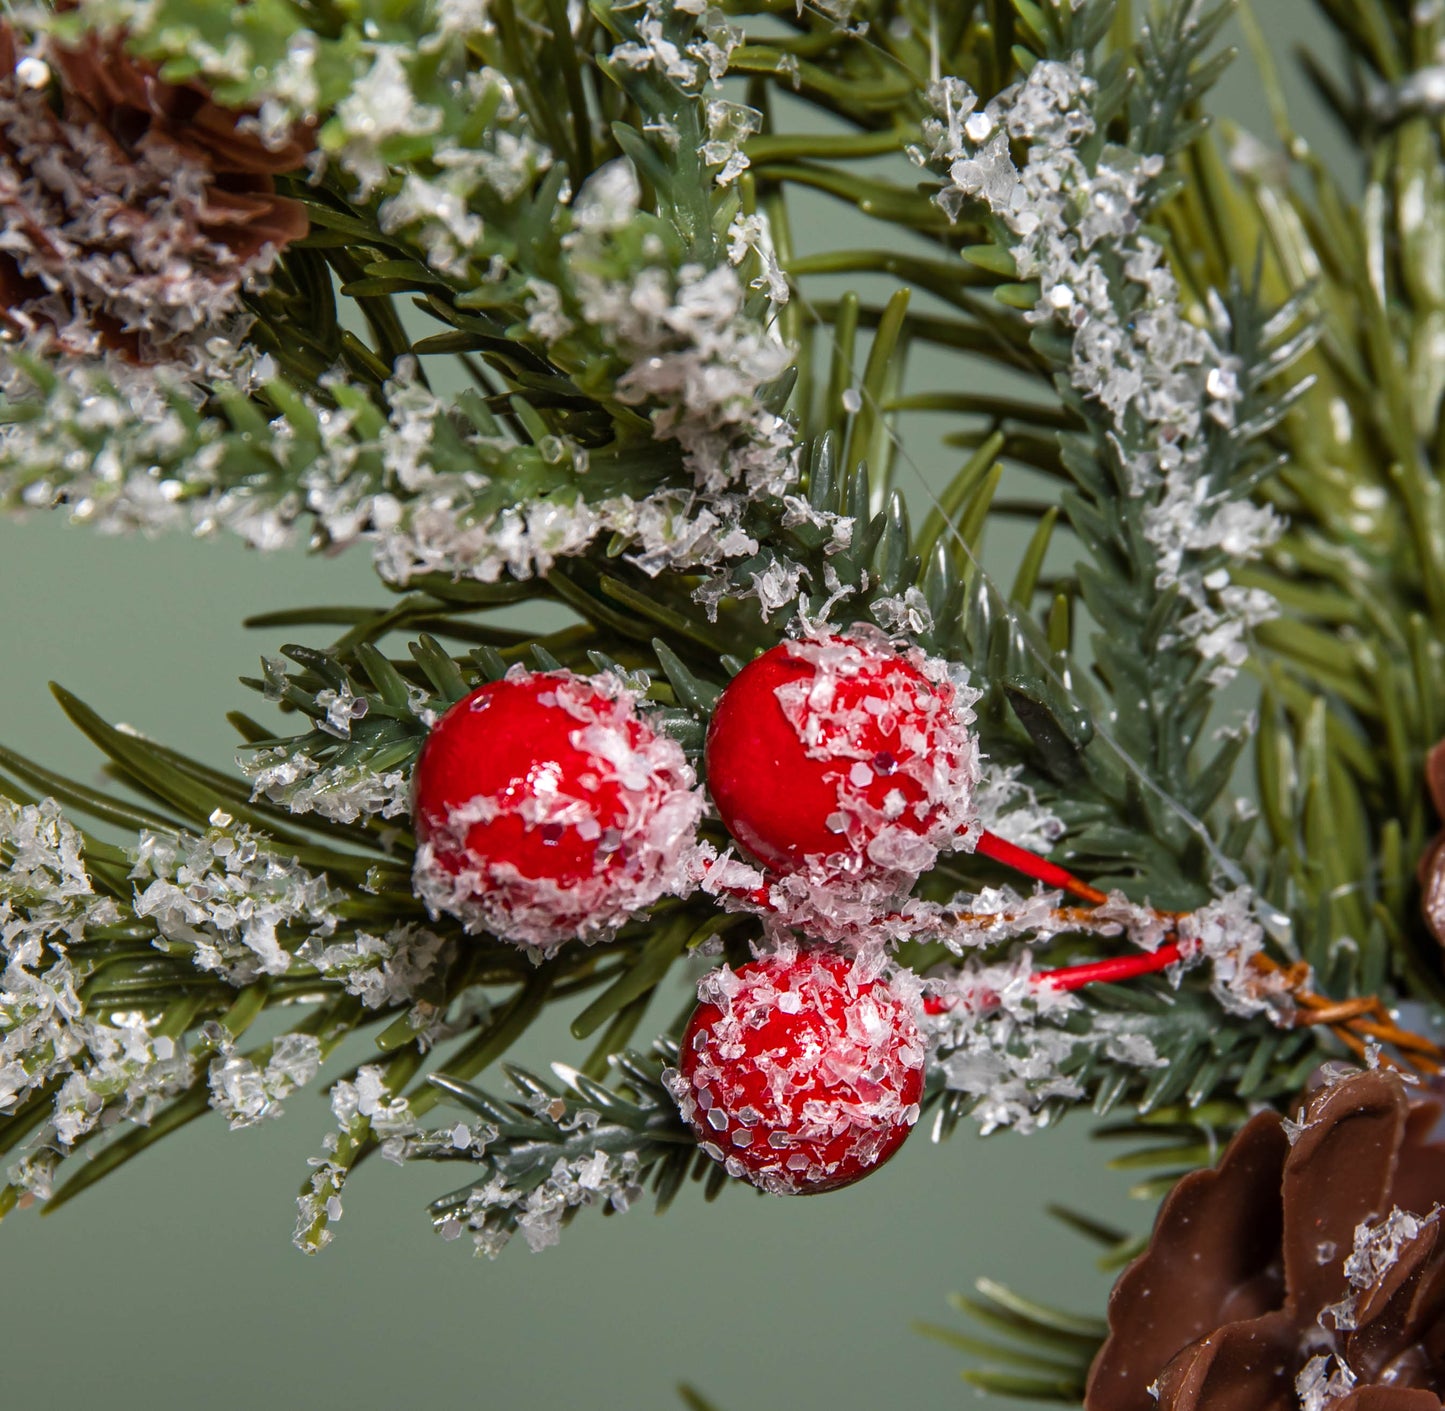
{"points": [[1109, 972], [1076, 977], [1040, 869]]}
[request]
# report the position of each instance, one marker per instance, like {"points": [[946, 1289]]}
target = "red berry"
{"points": [[546, 808], [800, 1073], [843, 756]]}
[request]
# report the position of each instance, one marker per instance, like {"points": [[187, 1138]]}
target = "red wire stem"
{"points": [[1111, 971], [1040, 869]]}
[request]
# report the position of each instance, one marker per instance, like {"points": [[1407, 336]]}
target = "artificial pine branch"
{"points": [[1350, 726], [345, 777], [549, 339]]}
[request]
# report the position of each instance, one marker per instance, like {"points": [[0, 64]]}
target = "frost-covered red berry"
{"points": [[800, 1072], [546, 808], [843, 757]]}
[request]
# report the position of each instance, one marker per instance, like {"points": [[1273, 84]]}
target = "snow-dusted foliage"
{"points": [[105, 1068], [226, 898], [536, 1211], [1010, 1036], [382, 971], [121, 448], [1001, 1037], [341, 793], [1159, 381], [438, 484], [226, 903], [245, 1091], [664, 42], [697, 358], [1228, 935], [1008, 808], [364, 1108]]}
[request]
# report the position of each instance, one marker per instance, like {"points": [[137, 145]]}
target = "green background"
{"points": [[174, 1282]]}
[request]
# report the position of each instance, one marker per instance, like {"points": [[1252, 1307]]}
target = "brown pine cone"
{"points": [[1306, 1269], [132, 211], [1432, 865]]}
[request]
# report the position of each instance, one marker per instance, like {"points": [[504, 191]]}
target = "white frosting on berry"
{"points": [[886, 839], [936, 749], [644, 834], [806, 1072]]}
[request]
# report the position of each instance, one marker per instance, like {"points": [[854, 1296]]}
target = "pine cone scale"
{"points": [[1390, 1307], [133, 212], [1388, 1398], [1401, 1311], [1244, 1366], [1339, 1173], [1352, 1208], [190, 121], [1224, 1226]]}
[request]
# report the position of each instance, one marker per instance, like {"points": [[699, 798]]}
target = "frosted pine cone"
{"points": [[1432, 865], [132, 211], [1307, 1269]]}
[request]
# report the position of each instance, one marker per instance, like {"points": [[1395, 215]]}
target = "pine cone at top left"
{"points": [[133, 211]]}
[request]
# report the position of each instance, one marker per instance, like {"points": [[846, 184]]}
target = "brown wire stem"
{"points": [[1353, 1021]]}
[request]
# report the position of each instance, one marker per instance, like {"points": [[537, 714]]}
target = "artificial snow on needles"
{"points": [[1133, 352], [226, 896], [104, 1068]]}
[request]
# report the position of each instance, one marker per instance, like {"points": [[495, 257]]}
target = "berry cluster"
{"points": [[548, 808]]}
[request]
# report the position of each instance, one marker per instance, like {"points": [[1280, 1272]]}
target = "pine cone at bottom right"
{"points": [[1432, 864], [1305, 1270]]}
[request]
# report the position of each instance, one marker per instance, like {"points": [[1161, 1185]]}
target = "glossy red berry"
{"points": [[800, 1073], [546, 807], [843, 756]]}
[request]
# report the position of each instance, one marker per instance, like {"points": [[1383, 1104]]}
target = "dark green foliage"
{"points": [[1028, 1349], [568, 1120], [1092, 690]]}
